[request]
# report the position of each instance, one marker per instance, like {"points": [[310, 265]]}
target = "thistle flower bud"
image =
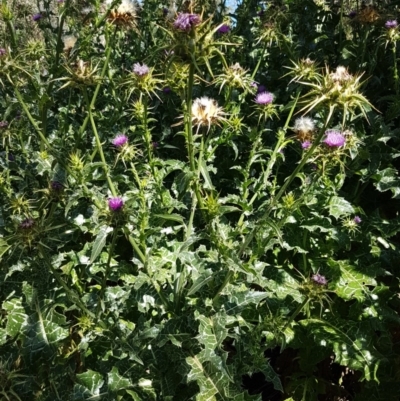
{"points": [[120, 140], [334, 139], [36, 17], [223, 29], [56, 186], [140, 69], [27, 224], [185, 21], [115, 204], [319, 279], [264, 98], [391, 24]]}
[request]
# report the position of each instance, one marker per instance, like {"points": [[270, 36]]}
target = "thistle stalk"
{"points": [[189, 133], [395, 71], [97, 89], [98, 144], [107, 272], [43, 139]]}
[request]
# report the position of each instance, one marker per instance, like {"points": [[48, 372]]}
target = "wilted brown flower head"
{"points": [[124, 15], [205, 111]]}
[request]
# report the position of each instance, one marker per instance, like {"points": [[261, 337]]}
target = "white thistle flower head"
{"points": [[69, 42], [304, 124], [341, 75], [304, 128], [124, 15], [205, 111], [86, 10]]}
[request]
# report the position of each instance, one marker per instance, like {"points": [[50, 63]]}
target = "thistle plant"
{"points": [[179, 214]]}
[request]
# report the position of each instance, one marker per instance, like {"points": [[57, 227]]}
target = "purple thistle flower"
{"points": [[185, 21], [261, 88], [155, 145], [115, 204], [391, 24], [352, 14], [334, 139], [357, 219], [27, 223], [3, 124], [3, 51], [319, 279], [56, 186], [36, 17], [224, 29], [264, 98], [305, 144], [141, 69], [120, 140], [167, 90]]}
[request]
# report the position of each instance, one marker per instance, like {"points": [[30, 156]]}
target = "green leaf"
{"points": [[3, 336], [91, 380], [351, 283], [134, 395], [209, 381], [239, 298], [100, 242], [116, 381], [339, 207], [16, 316], [206, 176], [272, 377], [352, 347], [40, 333], [4, 247], [171, 217], [387, 179], [205, 277]]}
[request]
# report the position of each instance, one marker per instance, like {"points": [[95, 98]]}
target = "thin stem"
{"points": [[13, 35], [395, 71], [107, 272], [188, 118], [189, 133], [97, 89], [259, 61], [305, 235], [70, 294], [98, 143], [295, 313], [29, 115], [59, 49], [135, 246]]}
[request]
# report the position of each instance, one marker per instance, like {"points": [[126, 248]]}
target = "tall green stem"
{"points": [[43, 139], [98, 144], [107, 271], [395, 71], [189, 133], [97, 89]]}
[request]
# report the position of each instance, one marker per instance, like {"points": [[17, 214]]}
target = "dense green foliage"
{"points": [[192, 196]]}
